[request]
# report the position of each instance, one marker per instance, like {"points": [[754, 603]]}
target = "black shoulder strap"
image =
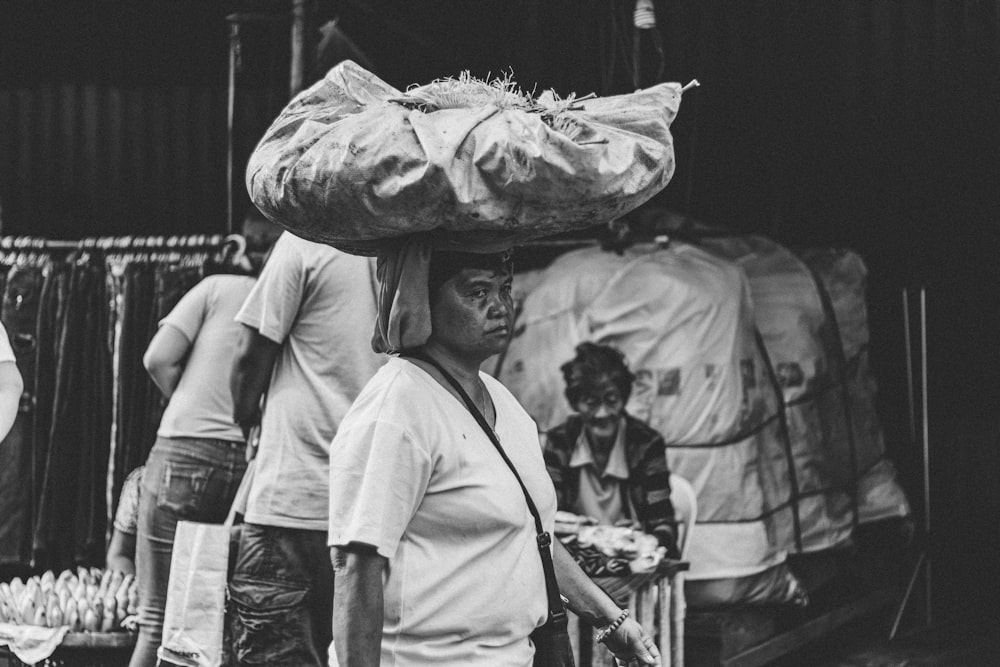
{"points": [[543, 538]]}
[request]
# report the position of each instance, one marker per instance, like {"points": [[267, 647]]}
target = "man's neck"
{"points": [[600, 450]]}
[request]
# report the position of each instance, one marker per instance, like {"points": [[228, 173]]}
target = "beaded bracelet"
{"points": [[606, 632]]}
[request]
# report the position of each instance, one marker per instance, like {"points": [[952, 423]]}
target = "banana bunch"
{"points": [[88, 600]]}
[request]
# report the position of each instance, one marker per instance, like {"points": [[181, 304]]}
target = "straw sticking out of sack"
{"points": [[468, 91]]}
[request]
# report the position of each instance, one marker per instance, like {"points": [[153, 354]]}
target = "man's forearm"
{"points": [[586, 598], [250, 376], [357, 606], [247, 384]]}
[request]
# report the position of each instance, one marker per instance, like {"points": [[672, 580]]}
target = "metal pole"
{"points": [[234, 47], [906, 596], [927, 449], [298, 66], [908, 342]]}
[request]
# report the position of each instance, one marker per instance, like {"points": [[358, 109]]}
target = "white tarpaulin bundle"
{"points": [[682, 317], [844, 276], [352, 161], [795, 329]]}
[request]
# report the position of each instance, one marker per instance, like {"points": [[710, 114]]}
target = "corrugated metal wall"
{"points": [[113, 113], [93, 159]]}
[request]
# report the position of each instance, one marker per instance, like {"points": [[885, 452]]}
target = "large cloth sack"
{"points": [[795, 330], [683, 318], [843, 274], [352, 161]]}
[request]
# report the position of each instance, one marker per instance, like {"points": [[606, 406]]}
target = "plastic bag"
{"points": [[352, 161], [794, 329]]}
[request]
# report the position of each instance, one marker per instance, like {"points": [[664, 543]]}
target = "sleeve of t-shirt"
{"points": [[127, 515], [189, 313], [6, 351], [378, 477], [273, 304]]}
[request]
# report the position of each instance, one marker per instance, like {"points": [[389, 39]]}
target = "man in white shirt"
{"points": [[306, 344]]}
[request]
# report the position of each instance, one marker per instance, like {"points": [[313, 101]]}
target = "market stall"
{"points": [[733, 325], [756, 347], [80, 315]]}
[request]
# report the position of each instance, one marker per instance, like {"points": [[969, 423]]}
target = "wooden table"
{"points": [[655, 599], [83, 649]]}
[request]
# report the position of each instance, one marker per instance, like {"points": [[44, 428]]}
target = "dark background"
{"points": [[870, 124]]}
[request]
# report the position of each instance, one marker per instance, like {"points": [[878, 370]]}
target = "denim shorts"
{"points": [[281, 598]]}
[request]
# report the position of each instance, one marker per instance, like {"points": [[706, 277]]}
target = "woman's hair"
{"points": [[593, 365], [445, 264]]}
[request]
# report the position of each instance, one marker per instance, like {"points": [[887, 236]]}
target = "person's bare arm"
{"points": [[121, 552], [587, 600], [251, 373], [11, 387], [357, 605], [164, 358]]}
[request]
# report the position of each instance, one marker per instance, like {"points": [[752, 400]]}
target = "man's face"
{"points": [[472, 313], [601, 408]]}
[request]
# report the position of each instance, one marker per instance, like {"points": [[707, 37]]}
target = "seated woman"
{"points": [[604, 463]]}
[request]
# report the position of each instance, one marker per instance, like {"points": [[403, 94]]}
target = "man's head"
{"points": [[260, 234], [470, 302], [598, 385]]}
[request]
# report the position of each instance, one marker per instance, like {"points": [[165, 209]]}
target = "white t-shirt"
{"points": [[320, 304], [6, 351], [413, 475], [202, 405]]}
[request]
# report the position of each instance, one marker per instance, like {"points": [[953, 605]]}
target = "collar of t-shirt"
{"points": [[583, 456]]}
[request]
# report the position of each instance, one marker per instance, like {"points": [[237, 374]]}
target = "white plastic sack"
{"points": [[844, 276], [682, 318], [352, 161], [789, 314]]}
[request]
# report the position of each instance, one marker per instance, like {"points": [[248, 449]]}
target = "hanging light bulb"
{"points": [[644, 17]]}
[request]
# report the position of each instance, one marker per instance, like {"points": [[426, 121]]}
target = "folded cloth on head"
{"points": [[404, 315], [408, 271]]}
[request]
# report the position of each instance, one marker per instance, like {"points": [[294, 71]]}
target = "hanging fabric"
{"points": [[22, 283], [71, 522], [80, 315]]}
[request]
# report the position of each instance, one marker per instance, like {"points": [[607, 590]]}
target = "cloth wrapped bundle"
{"points": [[845, 277], [796, 333], [352, 161]]}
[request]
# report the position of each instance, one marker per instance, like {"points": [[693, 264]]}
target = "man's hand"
{"points": [[252, 436]]}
